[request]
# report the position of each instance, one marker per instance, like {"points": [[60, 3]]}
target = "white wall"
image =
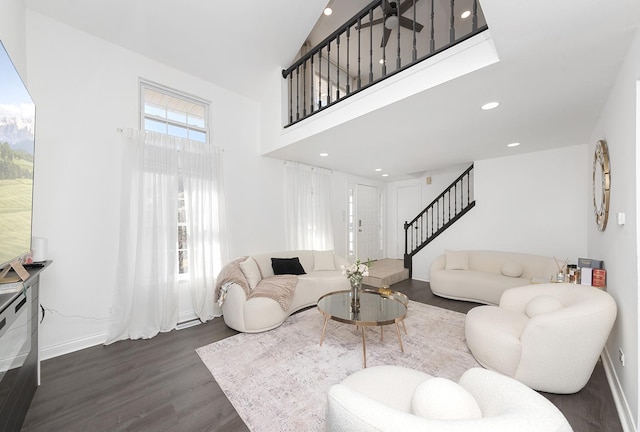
{"points": [[12, 33], [618, 244], [86, 88], [529, 203]]}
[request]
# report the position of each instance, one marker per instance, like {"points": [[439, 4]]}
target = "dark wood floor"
{"points": [[161, 385]]}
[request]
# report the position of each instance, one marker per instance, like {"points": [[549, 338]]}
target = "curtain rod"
{"points": [[312, 167]]}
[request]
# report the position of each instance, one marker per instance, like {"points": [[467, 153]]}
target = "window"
{"points": [[172, 113]]}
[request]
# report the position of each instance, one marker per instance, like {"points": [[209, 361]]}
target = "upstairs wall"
{"points": [[465, 57]]}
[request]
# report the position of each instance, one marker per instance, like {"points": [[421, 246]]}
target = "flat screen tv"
{"points": [[17, 145]]}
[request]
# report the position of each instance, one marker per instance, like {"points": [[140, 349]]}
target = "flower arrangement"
{"points": [[357, 271]]}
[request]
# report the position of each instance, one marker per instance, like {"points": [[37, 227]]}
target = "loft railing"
{"points": [[448, 207], [364, 51]]}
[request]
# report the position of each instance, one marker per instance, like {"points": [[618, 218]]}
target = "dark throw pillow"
{"points": [[287, 266]]}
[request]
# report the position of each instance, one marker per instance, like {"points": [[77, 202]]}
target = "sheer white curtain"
{"points": [[308, 207], [146, 295], [204, 203]]}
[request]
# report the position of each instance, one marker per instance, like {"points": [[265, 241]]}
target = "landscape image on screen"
{"points": [[17, 120]]}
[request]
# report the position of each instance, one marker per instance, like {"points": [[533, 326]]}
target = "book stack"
{"points": [[592, 272]]}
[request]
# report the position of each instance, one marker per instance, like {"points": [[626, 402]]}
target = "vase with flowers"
{"points": [[355, 273]]}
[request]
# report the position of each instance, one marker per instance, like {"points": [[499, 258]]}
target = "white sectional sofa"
{"points": [[482, 276], [246, 310]]}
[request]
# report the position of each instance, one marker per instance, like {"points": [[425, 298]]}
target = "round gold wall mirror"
{"points": [[601, 184]]}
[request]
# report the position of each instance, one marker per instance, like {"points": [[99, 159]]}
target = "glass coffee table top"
{"points": [[376, 309]]}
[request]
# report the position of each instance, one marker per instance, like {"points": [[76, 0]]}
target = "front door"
{"points": [[368, 223]]}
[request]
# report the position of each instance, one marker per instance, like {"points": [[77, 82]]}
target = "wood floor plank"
{"points": [[160, 384]]}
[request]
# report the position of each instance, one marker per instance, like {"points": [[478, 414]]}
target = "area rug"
{"points": [[278, 380]]}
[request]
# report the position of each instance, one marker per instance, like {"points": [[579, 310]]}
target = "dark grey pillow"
{"points": [[287, 266]]}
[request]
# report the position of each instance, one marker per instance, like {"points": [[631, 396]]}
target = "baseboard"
{"points": [[186, 320], [626, 418], [72, 346]]}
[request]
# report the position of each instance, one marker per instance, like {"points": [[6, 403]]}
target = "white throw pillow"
{"points": [[251, 272], [512, 269], [323, 260], [443, 399], [541, 305], [456, 260]]}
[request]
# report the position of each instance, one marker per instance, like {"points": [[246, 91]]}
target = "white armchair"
{"points": [[393, 398], [547, 336]]}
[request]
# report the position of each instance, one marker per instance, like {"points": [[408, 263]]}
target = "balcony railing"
{"points": [[381, 40]]}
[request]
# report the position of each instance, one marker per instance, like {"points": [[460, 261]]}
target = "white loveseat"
{"points": [[482, 276], [246, 312]]}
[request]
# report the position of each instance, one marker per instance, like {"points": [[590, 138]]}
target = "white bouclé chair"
{"points": [[547, 336], [393, 398]]}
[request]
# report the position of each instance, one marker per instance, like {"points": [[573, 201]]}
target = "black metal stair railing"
{"points": [[365, 51], [447, 208]]}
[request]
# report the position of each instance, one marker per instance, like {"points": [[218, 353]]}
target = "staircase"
{"points": [[456, 200]]}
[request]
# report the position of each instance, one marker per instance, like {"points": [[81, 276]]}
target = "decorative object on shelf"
{"points": [[560, 276], [601, 184], [355, 273], [573, 273]]}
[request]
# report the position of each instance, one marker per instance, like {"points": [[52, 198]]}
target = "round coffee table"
{"points": [[376, 310]]}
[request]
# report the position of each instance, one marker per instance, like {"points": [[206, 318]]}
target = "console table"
{"points": [[19, 362]]}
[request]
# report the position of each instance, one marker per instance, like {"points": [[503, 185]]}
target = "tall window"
{"points": [[169, 112]]}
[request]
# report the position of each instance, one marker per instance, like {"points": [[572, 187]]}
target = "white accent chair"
{"points": [[383, 398], [547, 336]]}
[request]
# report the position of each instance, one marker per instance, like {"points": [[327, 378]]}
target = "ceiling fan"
{"points": [[392, 18]]}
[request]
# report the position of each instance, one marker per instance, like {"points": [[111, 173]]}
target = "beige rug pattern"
{"points": [[278, 380]]}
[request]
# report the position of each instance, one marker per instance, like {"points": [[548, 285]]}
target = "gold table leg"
{"points": [[399, 337], [324, 327], [364, 349]]}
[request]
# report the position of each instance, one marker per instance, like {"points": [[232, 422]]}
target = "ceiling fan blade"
{"points": [[405, 6], [385, 37], [369, 24], [408, 23]]}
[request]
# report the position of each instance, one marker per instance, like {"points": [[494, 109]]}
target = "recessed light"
{"points": [[465, 14], [515, 144], [324, 154], [385, 175], [490, 105], [378, 169], [328, 11], [381, 61]]}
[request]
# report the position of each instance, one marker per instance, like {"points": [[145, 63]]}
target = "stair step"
{"points": [[386, 272]]}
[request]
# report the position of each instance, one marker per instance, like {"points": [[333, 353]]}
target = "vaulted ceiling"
{"points": [[558, 62]]}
